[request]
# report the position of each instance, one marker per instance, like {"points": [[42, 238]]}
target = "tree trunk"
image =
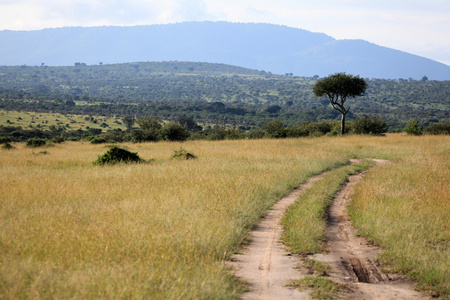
{"points": [[343, 124]]}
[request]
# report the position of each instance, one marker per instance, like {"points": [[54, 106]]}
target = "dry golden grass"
{"points": [[156, 230], [159, 230], [405, 207]]}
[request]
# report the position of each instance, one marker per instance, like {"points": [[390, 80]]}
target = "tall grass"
{"points": [[405, 208], [160, 230], [402, 206]]}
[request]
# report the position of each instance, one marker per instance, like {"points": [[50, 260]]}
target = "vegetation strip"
{"points": [[305, 221], [210, 93]]}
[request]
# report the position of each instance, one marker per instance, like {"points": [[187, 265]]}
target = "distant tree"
{"points": [[149, 124], [337, 88], [189, 124], [129, 122], [273, 109], [424, 78], [150, 128]]}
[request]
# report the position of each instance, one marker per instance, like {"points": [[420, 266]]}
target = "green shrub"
{"points": [[175, 132], [234, 134], [7, 146], [256, 134], [439, 128], [57, 140], [98, 140], [365, 125], [117, 155], [413, 128], [313, 129], [275, 129], [36, 142], [4, 140]]}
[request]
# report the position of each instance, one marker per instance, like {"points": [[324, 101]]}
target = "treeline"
{"points": [[213, 93], [145, 129]]}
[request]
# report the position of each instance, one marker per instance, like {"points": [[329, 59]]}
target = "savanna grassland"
{"points": [[164, 229], [43, 121]]}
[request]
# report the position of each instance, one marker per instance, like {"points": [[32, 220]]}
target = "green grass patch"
{"points": [[316, 267], [305, 221], [322, 287], [43, 121]]}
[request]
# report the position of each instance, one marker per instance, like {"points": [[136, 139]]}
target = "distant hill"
{"points": [[213, 93], [272, 48]]}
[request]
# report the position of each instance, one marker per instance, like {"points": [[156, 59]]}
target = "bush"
{"points": [[439, 128], [217, 134], [4, 140], [234, 134], [313, 129], [175, 132], [365, 125], [98, 140], [57, 140], [275, 129], [36, 142], [7, 146], [117, 155], [413, 128], [256, 134]]}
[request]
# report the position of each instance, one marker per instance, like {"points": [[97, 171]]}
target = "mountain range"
{"points": [[266, 47]]}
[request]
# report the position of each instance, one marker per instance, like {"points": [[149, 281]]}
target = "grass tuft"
{"points": [[322, 287], [182, 154]]}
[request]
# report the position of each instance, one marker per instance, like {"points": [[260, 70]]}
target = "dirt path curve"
{"points": [[267, 267], [265, 263], [352, 258]]}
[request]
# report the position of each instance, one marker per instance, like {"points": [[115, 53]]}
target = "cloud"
{"points": [[30, 14]]}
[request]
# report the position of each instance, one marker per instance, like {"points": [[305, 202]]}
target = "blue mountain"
{"points": [[272, 48]]}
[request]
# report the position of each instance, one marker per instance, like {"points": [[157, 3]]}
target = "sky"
{"points": [[420, 27]]}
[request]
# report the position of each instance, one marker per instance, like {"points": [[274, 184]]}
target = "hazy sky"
{"points": [[419, 27]]}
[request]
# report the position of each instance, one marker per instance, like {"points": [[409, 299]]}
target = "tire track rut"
{"points": [[265, 263], [267, 267], [352, 258]]}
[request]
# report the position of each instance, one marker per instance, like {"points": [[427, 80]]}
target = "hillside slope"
{"points": [[272, 48]]}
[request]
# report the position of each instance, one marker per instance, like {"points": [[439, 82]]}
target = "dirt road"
{"points": [[265, 263], [352, 258], [267, 267]]}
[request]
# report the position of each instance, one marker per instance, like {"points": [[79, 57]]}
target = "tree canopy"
{"points": [[337, 88]]}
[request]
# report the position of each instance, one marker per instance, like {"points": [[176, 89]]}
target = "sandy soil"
{"points": [[265, 263], [267, 267]]}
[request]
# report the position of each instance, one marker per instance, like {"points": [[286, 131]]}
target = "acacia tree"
{"points": [[337, 88]]}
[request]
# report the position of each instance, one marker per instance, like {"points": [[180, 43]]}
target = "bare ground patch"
{"points": [[265, 263]]}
